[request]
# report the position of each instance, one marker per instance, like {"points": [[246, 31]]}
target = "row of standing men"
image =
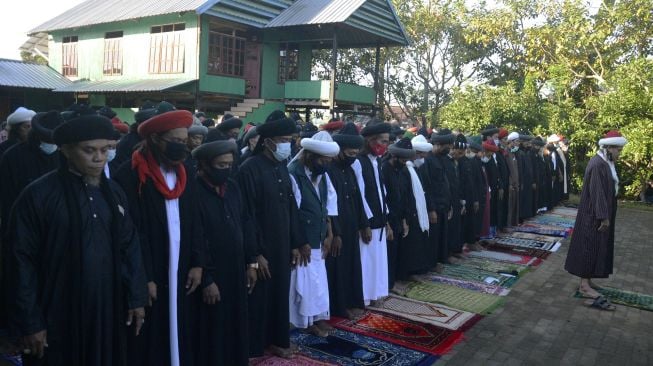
{"points": [[220, 250]]}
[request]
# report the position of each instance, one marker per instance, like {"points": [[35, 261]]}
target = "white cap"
{"points": [[553, 139], [20, 115], [513, 136], [420, 144]]}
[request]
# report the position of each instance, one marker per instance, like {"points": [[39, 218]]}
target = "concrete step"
{"points": [[242, 110], [257, 101], [248, 105]]}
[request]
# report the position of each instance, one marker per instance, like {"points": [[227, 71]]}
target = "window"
{"points": [[69, 56], [288, 62], [112, 53], [226, 51], [167, 50]]}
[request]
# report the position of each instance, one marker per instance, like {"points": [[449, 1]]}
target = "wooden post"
{"points": [[334, 63], [376, 80]]}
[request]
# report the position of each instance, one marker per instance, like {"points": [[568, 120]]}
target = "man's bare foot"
{"points": [[355, 313], [594, 285], [476, 247], [325, 326], [439, 268], [316, 331], [283, 352], [588, 291]]}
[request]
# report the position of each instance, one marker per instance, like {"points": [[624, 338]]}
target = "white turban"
{"points": [[613, 138], [553, 139], [513, 136], [322, 144], [420, 144], [20, 115]]}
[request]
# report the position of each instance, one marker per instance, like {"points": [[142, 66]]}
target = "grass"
{"points": [[636, 205]]}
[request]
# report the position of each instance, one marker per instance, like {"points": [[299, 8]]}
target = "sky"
{"points": [[19, 16]]}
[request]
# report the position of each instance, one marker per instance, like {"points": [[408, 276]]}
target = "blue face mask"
{"points": [[282, 152], [48, 149], [111, 154], [514, 149]]}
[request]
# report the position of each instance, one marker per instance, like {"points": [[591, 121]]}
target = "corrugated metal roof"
{"points": [[256, 13], [305, 12], [106, 11], [374, 17], [123, 86], [21, 74]]}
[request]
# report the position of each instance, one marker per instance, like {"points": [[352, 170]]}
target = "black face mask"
{"points": [[216, 176], [318, 169], [175, 151], [445, 151], [551, 148], [348, 160]]}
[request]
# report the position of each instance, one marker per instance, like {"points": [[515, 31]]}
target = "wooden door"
{"points": [[252, 70]]}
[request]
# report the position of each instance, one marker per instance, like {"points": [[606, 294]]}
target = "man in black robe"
{"points": [[543, 167], [438, 202], [18, 124], [166, 213], [25, 162], [526, 177], [494, 182], [76, 269], [269, 201], [231, 268], [500, 174], [473, 188], [344, 263], [127, 143], [443, 141]]}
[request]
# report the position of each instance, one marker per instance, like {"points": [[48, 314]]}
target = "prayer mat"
{"points": [[565, 211], [470, 285], [456, 297], [523, 243], [532, 236], [538, 253], [425, 312], [297, 360], [626, 298], [404, 332], [347, 348], [552, 220], [478, 275], [542, 229], [495, 266], [525, 260]]}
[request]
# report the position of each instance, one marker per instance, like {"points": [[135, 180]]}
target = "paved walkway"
{"points": [[543, 324]]}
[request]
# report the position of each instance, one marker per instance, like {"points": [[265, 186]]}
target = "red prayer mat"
{"points": [[403, 332], [298, 360]]}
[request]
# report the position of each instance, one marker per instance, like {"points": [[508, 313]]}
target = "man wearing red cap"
{"points": [[591, 252], [165, 211]]}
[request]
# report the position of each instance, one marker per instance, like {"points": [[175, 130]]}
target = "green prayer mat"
{"points": [[495, 266], [626, 298], [478, 275], [455, 297]]}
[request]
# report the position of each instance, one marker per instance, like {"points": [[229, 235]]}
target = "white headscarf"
{"points": [[420, 198]]}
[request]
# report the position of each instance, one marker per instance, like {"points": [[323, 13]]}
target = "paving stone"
{"points": [[542, 323]]}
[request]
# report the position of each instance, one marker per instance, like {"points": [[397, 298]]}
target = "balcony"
{"points": [[316, 93]]}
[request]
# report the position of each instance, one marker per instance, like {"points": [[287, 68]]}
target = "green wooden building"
{"points": [[247, 57]]}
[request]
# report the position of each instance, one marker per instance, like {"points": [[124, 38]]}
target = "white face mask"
{"points": [[485, 159], [470, 155], [418, 162], [496, 142], [111, 154], [48, 149], [283, 151]]}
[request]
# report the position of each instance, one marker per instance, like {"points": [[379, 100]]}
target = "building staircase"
{"points": [[245, 107]]}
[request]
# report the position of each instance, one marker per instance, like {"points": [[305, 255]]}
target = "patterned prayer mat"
{"points": [[552, 220], [455, 297], [538, 253], [495, 266], [564, 211], [531, 236], [425, 312], [542, 229], [478, 275], [626, 298], [404, 332], [347, 348], [469, 285], [523, 243], [525, 260], [298, 360]]}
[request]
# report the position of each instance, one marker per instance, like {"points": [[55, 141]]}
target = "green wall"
{"points": [[135, 45], [215, 83]]}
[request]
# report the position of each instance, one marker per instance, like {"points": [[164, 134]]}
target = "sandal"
{"points": [[601, 303]]}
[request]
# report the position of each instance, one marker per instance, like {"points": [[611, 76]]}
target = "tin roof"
{"points": [[106, 11], [123, 86], [20, 74]]}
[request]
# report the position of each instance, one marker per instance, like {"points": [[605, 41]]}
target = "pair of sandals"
{"points": [[600, 302]]}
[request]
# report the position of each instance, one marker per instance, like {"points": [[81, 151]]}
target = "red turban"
{"points": [[119, 125], [333, 126], [490, 146], [503, 133], [165, 122]]}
